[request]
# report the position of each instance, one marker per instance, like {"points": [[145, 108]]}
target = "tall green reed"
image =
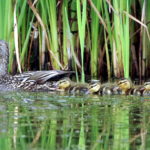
{"points": [[95, 33], [6, 13], [81, 18], [104, 34], [53, 35], [121, 38], [145, 39]]}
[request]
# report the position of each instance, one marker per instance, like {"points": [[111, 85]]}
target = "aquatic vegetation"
{"points": [[96, 38]]}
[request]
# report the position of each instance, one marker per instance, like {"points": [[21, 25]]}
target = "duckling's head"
{"points": [[147, 86], [125, 85], [146, 89], [63, 84], [4, 55], [94, 87]]}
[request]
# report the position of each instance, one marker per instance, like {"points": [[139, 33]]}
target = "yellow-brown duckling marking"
{"points": [[137, 90], [147, 86], [63, 84], [125, 85], [94, 87], [142, 90], [146, 89]]}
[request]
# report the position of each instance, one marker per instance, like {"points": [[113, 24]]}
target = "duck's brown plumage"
{"points": [[33, 80]]}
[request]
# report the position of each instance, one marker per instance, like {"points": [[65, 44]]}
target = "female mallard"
{"points": [[36, 80]]}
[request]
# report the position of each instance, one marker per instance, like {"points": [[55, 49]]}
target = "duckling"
{"points": [[63, 85], [147, 86], [110, 89], [66, 85], [125, 86], [105, 89], [79, 89], [94, 87], [146, 89], [138, 90]]}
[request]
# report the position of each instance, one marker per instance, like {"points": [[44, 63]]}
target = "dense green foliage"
{"points": [[100, 38]]}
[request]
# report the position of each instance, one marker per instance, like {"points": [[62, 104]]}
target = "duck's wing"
{"points": [[43, 76]]}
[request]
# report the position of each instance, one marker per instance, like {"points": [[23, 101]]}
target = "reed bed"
{"points": [[96, 38]]}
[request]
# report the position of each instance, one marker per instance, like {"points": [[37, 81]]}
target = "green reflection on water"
{"points": [[46, 121]]}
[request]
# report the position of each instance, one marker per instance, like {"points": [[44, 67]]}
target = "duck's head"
{"points": [[94, 87], [124, 85], [63, 84], [4, 56]]}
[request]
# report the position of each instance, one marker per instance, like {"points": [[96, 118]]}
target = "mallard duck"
{"points": [[36, 80], [125, 85]]}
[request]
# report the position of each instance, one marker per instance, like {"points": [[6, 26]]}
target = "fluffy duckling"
{"points": [[91, 88], [147, 86], [143, 90], [110, 89], [94, 87], [66, 85], [77, 88], [146, 89], [138, 90], [63, 85], [125, 86], [105, 89]]}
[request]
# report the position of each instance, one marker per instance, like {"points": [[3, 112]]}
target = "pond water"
{"points": [[46, 121]]}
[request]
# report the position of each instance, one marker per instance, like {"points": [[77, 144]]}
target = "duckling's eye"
{"points": [[119, 83], [63, 81], [94, 85], [122, 82], [147, 83]]}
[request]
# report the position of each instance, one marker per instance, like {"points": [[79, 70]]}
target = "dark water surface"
{"points": [[45, 121]]}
